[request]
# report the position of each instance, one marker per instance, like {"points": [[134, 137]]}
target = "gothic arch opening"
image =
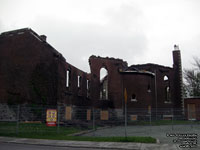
{"points": [[167, 95], [165, 78], [133, 98], [103, 84]]}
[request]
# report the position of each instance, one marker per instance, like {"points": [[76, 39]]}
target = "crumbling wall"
{"points": [[115, 89], [29, 69]]}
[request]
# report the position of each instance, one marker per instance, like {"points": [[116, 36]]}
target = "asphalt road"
{"points": [[158, 132], [12, 146]]}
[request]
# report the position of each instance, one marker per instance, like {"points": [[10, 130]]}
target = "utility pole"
{"points": [[125, 102], [156, 96]]}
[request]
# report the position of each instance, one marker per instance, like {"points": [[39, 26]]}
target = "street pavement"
{"points": [[13, 146], [164, 142], [159, 132]]}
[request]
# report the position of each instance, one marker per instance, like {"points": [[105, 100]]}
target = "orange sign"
{"points": [[51, 117]]}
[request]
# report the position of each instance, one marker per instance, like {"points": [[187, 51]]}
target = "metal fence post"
{"points": [[191, 120], [58, 122], [93, 119], [150, 118], [125, 120], [18, 119], [172, 119]]}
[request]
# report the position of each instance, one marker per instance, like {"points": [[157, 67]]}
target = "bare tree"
{"points": [[192, 79]]}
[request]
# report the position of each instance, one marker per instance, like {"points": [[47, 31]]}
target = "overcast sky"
{"points": [[137, 31]]}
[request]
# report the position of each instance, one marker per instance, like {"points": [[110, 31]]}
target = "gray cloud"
{"points": [[77, 41], [136, 31], [1, 27], [190, 50], [126, 16]]}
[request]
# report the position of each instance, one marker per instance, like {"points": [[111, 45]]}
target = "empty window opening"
{"points": [[167, 95], [67, 78], [79, 81], [103, 73], [165, 78], [148, 88], [103, 84], [88, 84], [133, 98], [88, 88]]}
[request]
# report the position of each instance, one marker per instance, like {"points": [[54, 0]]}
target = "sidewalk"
{"points": [[84, 144]]}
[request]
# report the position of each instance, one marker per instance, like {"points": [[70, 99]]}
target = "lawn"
{"points": [[35, 129], [41, 131]]}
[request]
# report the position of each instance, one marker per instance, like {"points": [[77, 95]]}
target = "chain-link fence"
{"points": [[34, 118]]}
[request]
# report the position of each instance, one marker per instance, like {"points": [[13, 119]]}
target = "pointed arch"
{"points": [[103, 83], [167, 94], [165, 78]]}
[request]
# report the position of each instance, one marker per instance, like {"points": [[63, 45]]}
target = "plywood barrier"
{"points": [[133, 117], [104, 115], [88, 114], [149, 109], [68, 113]]}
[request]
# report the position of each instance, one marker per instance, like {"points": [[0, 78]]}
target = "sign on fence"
{"points": [[51, 117]]}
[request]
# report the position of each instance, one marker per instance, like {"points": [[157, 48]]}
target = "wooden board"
{"points": [[133, 117], [68, 113], [89, 114], [104, 115]]}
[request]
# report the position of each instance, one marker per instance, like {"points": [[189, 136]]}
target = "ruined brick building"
{"points": [[32, 71], [149, 86]]}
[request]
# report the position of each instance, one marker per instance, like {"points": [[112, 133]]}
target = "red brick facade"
{"points": [[146, 84], [32, 71]]}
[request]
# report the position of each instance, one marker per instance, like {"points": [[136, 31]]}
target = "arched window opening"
{"points": [[79, 81], [103, 73], [165, 78], [148, 88], [88, 84], [67, 78], [88, 88], [133, 98], [167, 95], [103, 84]]}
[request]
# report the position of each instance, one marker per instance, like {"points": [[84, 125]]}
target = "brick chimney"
{"points": [[177, 66], [43, 37]]}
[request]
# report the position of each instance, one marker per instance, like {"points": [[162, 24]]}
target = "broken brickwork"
{"points": [[148, 85], [33, 72]]}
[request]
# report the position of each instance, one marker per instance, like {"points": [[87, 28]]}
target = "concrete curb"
{"points": [[91, 145], [81, 133], [88, 131], [75, 144]]}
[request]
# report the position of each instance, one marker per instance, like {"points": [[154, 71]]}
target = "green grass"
{"points": [[35, 128], [82, 138], [115, 139], [40, 131]]}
